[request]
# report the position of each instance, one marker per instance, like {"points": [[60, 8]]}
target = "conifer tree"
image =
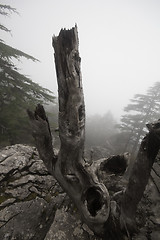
{"points": [[144, 108], [17, 91]]}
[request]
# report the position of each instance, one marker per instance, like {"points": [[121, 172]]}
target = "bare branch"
{"points": [[140, 173], [42, 136], [106, 217]]}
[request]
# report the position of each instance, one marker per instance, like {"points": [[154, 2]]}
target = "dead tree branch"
{"points": [[140, 174], [82, 185], [105, 217]]}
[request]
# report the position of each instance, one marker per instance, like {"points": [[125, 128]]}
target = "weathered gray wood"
{"points": [[111, 218], [80, 182], [90, 196], [42, 135], [140, 174]]}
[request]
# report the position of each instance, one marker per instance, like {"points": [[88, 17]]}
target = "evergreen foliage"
{"points": [[17, 92], [144, 108]]}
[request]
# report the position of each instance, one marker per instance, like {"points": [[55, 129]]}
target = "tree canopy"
{"points": [[17, 91], [144, 108]]}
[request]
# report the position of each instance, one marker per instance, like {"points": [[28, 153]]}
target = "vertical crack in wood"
{"points": [[80, 181], [90, 196]]}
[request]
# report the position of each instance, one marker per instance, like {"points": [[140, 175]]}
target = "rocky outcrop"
{"points": [[29, 196], [33, 205], [67, 226]]}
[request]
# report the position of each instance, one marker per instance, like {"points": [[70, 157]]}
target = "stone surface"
{"points": [[32, 204], [29, 196], [34, 207], [67, 225]]}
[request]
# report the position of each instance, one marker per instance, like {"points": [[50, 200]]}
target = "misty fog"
{"points": [[118, 41]]}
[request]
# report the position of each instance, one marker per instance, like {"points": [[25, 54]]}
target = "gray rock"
{"points": [[68, 226], [27, 220], [155, 235], [34, 207], [29, 195]]}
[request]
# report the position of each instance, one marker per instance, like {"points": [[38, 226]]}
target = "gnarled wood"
{"points": [[107, 217], [42, 135], [140, 174], [80, 182]]}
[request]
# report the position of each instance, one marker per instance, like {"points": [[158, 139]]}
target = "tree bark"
{"points": [[140, 174], [104, 216], [81, 183]]}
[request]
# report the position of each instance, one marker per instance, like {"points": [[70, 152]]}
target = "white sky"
{"points": [[119, 45]]}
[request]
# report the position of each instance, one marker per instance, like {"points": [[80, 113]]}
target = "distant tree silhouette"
{"points": [[143, 108], [17, 92]]}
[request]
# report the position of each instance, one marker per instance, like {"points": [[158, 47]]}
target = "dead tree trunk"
{"points": [[140, 174], [79, 180], [90, 196]]}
